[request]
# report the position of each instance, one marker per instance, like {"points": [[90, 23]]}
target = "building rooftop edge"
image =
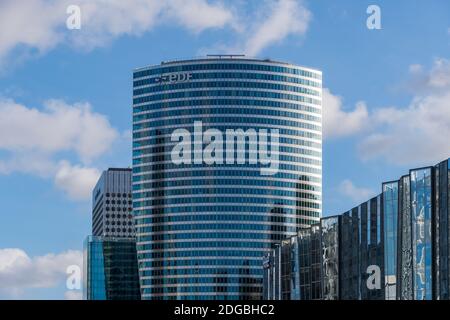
{"points": [[227, 58], [118, 169]]}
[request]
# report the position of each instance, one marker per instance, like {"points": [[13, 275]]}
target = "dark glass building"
{"points": [[204, 222], [329, 261], [292, 270], [110, 269], [392, 247]]}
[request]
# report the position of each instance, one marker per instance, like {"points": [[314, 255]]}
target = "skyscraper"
{"points": [[204, 222], [110, 259], [112, 205]]}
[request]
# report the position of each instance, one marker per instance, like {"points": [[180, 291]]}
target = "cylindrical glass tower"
{"points": [[227, 159]]}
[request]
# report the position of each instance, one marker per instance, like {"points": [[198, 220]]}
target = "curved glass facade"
{"points": [[203, 224]]}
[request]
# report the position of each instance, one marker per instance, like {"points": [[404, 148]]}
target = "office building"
{"points": [[393, 247], [112, 214], [110, 257], [203, 222]]}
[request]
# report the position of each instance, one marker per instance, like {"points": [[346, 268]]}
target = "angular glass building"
{"points": [[393, 247], [209, 196], [110, 269]]}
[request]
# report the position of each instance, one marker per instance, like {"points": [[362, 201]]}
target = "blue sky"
{"points": [[65, 102]]}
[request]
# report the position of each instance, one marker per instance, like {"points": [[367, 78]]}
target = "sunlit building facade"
{"points": [[202, 227]]}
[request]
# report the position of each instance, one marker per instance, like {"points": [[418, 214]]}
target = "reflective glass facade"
{"points": [[441, 230], [94, 270], [372, 251], [350, 287], [421, 210], [390, 219], [403, 233], [330, 243], [292, 271], [404, 249], [330, 260], [111, 271], [203, 228]]}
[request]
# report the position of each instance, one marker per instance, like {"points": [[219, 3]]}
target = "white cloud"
{"points": [[76, 181], [20, 272], [31, 24], [338, 122], [199, 15], [278, 20], [418, 134], [37, 141], [415, 68], [434, 80], [357, 194], [40, 25], [59, 127], [439, 76]]}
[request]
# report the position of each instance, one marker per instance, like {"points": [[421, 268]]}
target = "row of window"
{"points": [[215, 190], [118, 222], [166, 159], [118, 201], [118, 215], [234, 76], [203, 280], [213, 121], [206, 235], [118, 195], [237, 293], [224, 102], [276, 208], [225, 84], [194, 263], [222, 227], [191, 254], [167, 150], [244, 270], [202, 112], [221, 217], [118, 229], [119, 209], [215, 173], [164, 170], [226, 93], [158, 143], [215, 181], [254, 66], [224, 199]]}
